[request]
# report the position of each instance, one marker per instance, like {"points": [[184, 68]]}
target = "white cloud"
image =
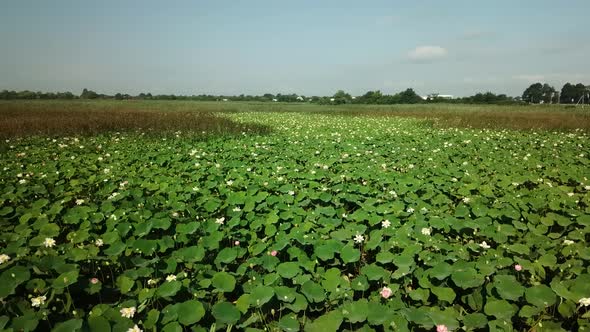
{"points": [[529, 78], [427, 53]]}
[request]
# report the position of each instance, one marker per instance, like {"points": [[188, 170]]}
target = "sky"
{"points": [[305, 47]]}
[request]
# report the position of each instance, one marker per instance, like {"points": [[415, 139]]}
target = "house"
{"points": [[437, 96]]}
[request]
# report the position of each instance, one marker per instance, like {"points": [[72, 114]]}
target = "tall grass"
{"points": [[20, 119], [55, 117]]}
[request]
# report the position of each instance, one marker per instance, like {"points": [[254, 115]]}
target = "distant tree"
{"points": [[371, 97], [548, 93], [341, 97], [581, 91], [65, 95], [409, 97], [26, 94], [268, 97], [5, 94], [533, 94], [144, 96], [571, 94], [88, 94]]}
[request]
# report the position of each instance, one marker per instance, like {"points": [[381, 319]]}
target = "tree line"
{"points": [[539, 93], [535, 94], [408, 96]]}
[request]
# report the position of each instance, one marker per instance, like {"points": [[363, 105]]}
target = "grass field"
{"points": [[23, 117], [289, 217]]}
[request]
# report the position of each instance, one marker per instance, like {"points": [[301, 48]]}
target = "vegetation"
{"points": [[570, 94], [19, 119], [534, 94], [340, 217], [329, 222], [88, 117]]}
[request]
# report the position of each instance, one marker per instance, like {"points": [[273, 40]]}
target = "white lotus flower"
{"points": [[359, 238], [38, 301], [484, 245], [128, 312], [585, 301], [385, 223], [220, 220], [49, 242], [171, 277], [99, 242], [426, 231], [4, 258], [568, 242], [135, 328]]}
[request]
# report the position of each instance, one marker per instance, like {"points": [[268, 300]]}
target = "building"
{"points": [[437, 96]]}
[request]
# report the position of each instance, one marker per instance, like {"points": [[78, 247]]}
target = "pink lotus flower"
{"points": [[386, 292], [274, 253], [442, 328], [94, 281], [518, 267]]}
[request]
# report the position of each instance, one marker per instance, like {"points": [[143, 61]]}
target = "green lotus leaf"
{"points": [[11, 278], [69, 326], [313, 291], [350, 254], [444, 293], [225, 312], [475, 321], [501, 309], [261, 295], [508, 288], [169, 288], [330, 321], [467, 278], [289, 323], [223, 281], [540, 296], [288, 269]]}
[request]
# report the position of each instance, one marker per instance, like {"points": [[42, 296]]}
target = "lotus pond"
{"points": [[328, 223]]}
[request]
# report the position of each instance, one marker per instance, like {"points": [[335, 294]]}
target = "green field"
{"points": [[294, 217]]}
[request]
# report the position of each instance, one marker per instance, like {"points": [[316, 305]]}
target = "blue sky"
{"points": [[304, 47]]}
